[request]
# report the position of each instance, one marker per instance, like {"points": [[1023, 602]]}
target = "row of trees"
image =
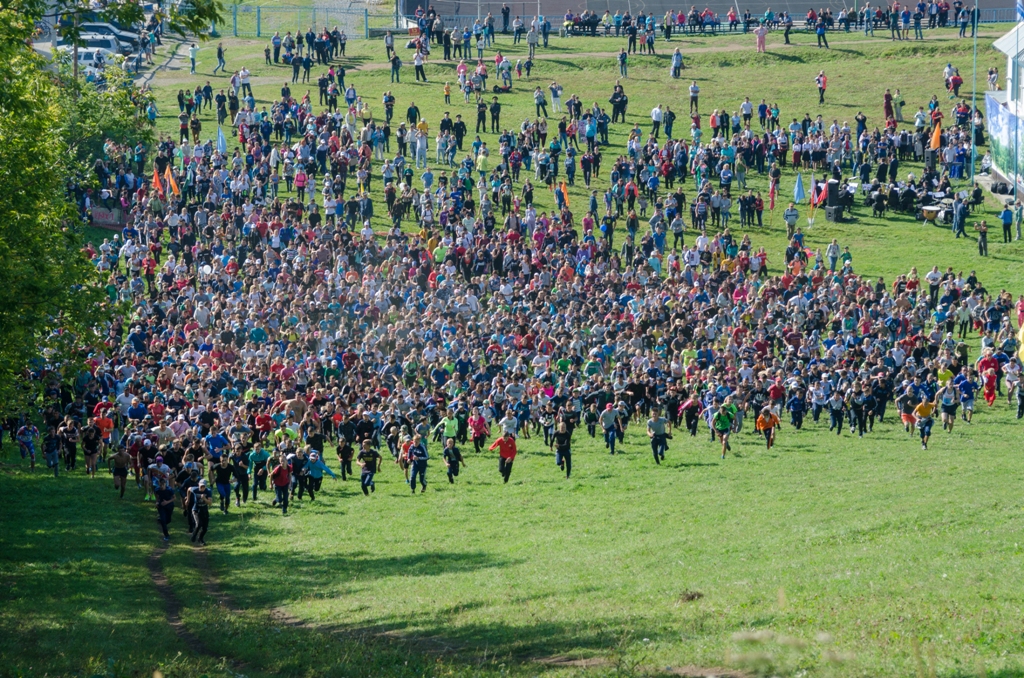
{"points": [[53, 309]]}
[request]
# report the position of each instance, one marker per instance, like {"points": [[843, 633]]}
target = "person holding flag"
{"points": [[222, 143]]}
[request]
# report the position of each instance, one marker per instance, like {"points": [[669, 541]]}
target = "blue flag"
{"points": [[1020, 10], [798, 190], [222, 143]]}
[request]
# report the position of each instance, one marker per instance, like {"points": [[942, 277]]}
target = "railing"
{"points": [[256, 21]]}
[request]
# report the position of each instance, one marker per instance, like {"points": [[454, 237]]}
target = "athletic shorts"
{"points": [[121, 472], [950, 410], [968, 404], [908, 418]]}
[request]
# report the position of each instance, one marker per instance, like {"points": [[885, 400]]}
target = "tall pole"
{"points": [[974, 94], [1015, 94]]}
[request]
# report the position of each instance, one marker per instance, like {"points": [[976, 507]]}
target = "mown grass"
{"points": [[830, 556]]}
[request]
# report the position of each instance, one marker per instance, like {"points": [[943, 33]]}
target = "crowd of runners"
{"points": [[275, 337]]}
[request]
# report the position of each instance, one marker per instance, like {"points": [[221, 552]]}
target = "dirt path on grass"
{"points": [[172, 609]]}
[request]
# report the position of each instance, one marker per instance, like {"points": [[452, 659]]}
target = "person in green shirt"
{"points": [[721, 422], [448, 427]]}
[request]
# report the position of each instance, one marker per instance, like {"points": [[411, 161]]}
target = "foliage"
{"points": [[51, 129]]}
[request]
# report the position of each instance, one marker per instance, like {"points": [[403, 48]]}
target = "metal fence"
{"points": [[247, 21]]}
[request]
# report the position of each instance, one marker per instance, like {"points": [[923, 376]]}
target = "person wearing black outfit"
{"points": [[495, 115], [452, 459], [459, 130], [561, 443], [240, 467], [982, 230], [223, 473], [200, 499], [481, 115], [164, 506]]}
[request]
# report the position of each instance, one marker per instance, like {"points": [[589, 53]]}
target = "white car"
{"points": [[98, 41], [88, 56]]}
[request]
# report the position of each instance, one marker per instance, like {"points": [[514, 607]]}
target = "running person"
{"points": [[418, 460], [611, 426], [452, 459], [369, 461], [658, 430], [561, 443], [69, 434], [51, 450], [721, 424], [923, 412], [766, 423], [240, 465], [506, 446], [92, 441], [222, 474], [948, 404], [118, 464], [27, 436], [281, 477], [200, 499], [164, 506]]}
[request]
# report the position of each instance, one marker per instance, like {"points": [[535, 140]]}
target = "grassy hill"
{"points": [[828, 556]]}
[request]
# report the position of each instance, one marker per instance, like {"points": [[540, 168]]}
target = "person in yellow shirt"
{"points": [[422, 127], [923, 412], [943, 375], [482, 163]]}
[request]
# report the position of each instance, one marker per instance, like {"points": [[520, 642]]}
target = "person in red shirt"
{"points": [[506, 446], [281, 476]]}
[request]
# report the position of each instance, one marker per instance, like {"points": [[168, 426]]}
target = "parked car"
{"points": [[97, 41], [126, 37], [89, 56]]}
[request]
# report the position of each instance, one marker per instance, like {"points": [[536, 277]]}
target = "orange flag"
{"points": [[565, 192], [937, 136], [170, 180], [157, 184]]}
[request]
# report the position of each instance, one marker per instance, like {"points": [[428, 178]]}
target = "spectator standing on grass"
{"points": [[759, 34], [193, 52]]}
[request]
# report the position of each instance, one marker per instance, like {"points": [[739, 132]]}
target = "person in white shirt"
{"points": [[656, 117]]}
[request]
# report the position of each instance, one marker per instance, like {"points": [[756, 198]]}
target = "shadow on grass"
{"points": [[75, 593]]}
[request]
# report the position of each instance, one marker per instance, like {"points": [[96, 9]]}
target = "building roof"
{"points": [[1011, 44]]}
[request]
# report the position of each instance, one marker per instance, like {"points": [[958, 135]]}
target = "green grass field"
{"points": [[824, 557]]}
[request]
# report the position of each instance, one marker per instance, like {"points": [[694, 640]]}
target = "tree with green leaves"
{"points": [[53, 309]]}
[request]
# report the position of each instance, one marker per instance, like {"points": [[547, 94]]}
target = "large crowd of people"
{"points": [[271, 327]]}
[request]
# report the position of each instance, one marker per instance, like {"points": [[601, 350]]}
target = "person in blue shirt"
{"points": [[968, 388], [796, 406], [137, 411], [418, 460], [215, 442], [313, 474]]}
